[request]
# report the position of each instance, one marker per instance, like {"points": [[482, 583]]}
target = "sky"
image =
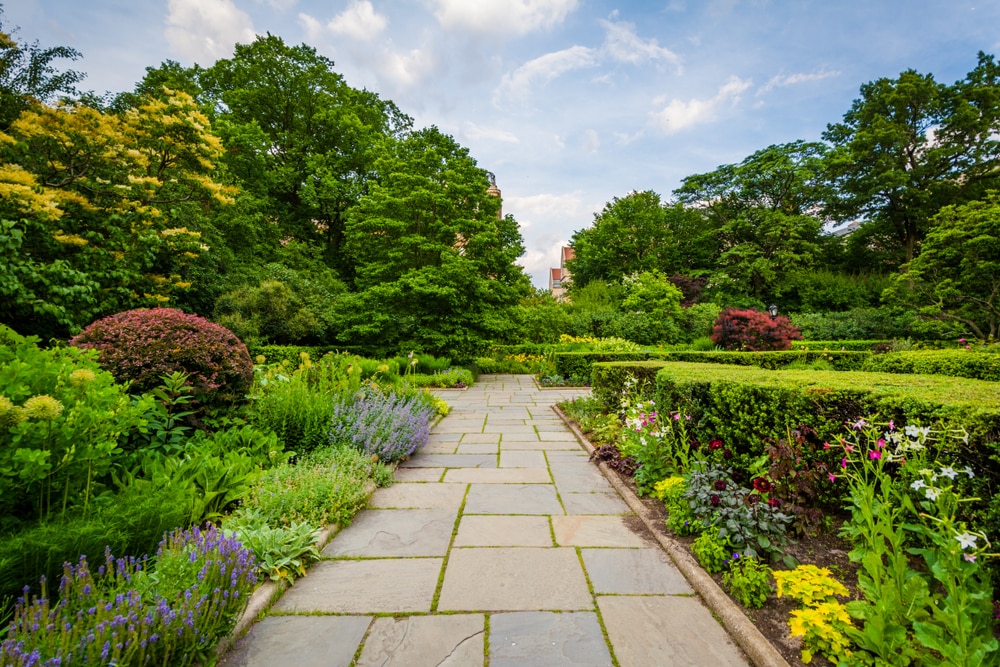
{"points": [[570, 103]]}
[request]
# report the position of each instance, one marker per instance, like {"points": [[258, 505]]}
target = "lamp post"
{"points": [[772, 310]]}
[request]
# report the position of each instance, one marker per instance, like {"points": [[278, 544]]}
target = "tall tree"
{"points": [[638, 233], [28, 75], [298, 137], [762, 213], [435, 261], [956, 276], [909, 146]]}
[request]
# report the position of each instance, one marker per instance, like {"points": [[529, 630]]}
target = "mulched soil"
{"points": [[823, 549]]}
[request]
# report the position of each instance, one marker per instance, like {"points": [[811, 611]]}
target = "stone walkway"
{"points": [[500, 545]]}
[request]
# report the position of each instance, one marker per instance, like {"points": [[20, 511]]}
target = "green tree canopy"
{"points": [[910, 146], [956, 276], [434, 260]]}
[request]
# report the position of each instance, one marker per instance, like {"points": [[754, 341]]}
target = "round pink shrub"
{"points": [[142, 345]]}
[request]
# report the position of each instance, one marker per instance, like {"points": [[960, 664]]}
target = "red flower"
{"points": [[774, 502], [720, 485], [715, 444], [762, 485], [753, 499], [715, 500]]}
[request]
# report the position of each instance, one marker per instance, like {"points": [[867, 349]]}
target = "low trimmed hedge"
{"points": [[953, 363], [579, 364]]}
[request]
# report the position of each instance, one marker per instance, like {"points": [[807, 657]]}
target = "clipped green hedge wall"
{"points": [[841, 361], [954, 363], [608, 381], [842, 345], [580, 363]]}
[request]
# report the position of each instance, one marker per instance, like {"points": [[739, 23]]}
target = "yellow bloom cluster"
{"points": [[808, 584], [822, 622], [81, 377], [42, 407]]}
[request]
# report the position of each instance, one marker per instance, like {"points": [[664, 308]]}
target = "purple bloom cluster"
{"points": [[383, 424], [111, 619]]}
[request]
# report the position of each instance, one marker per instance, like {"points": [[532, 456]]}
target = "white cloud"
{"points": [[406, 69], [793, 79], [206, 30], [475, 132], [506, 17], [312, 28], [591, 142], [623, 45], [678, 114], [624, 139], [281, 5], [535, 73], [359, 21]]}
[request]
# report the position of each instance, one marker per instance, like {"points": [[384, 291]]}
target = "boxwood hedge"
{"points": [[954, 363]]}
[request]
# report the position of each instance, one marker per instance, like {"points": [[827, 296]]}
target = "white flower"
{"points": [[917, 431], [919, 484], [968, 471], [932, 493], [967, 540], [948, 472]]}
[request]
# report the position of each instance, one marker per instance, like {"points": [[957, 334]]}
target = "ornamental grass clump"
{"points": [[382, 424], [124, 615]]}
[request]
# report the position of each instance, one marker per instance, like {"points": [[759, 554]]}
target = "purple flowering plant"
{"points": [[382, 423], [125, 614]]}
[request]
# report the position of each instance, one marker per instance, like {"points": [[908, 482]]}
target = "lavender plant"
{"points": [[382, 424], [127, 615]]}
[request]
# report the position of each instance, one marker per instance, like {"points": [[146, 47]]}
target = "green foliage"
{"points": [[269, 312], [611, 381], [141, 346], [953, 363], [281, 552], [330, 486], [711, 550], [808, 584], [450, 378], [697, 321], [749, 581], [819, 291], [62, 419]]}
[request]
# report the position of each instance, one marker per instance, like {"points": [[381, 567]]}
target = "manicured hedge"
{"points": [[843, 345], [954, 363], [579, 363]]}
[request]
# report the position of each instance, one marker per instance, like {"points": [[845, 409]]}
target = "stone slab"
{"points": [[578, 477], [411, 532], [498, 476], [514, 579], [419, 474], [481, 438], [595, 531], [503, 531], [384, 586], [540, 445], [439, 448], [512, 499], [594, 503], [427, 495], [436, 438], [451, 461], [451, 425], [678, 630], [476, 448], [634, 572], [425, 641], [546, 639], [523, 459], [303, 641]]}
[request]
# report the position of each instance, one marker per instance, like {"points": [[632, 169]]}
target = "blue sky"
{"points": [[568, 102]]}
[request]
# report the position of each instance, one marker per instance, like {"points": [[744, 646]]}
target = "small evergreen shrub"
{"points": [[753, 331], [954, 363], [141, 346]]}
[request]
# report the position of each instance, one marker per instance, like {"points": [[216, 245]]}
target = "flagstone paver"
{"points": [[499, 536]]}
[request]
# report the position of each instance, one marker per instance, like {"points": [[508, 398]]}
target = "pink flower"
{"points": [[849, 449], [880, 443], [892, 425], [826, 445], [832, 477], [843, 463], [967, 347], [961, 341], [677, 416], [858, 425], [873, 455]]}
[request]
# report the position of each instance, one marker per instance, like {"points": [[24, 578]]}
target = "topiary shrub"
{"points": [[753, 331], [140, 346]]}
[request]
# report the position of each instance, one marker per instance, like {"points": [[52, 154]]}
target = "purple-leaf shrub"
{"points": [[383, 424], [141, 346], [118, 618], [753, 331]]}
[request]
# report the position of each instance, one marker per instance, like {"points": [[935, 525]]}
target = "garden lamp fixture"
{"points": [[772, 310]]}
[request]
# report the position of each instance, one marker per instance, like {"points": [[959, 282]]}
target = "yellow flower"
{"points": [[42, 407], [81, 377]]}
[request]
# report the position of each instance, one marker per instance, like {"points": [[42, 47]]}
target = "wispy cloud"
{"points": [[506, 17], [782, 80], [206, 30], [624, 45], [591, 141], [476, 132], [518, 84], [679, 114], [359, 21]]}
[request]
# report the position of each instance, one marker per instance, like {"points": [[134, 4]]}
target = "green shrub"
{"points": [[61, 417], [711, 551], [843, 345], [749, 581], [610, 379], [141, 346], [862, 324], [281, 552], [292, 354], [453, 377], [953, 363]]}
